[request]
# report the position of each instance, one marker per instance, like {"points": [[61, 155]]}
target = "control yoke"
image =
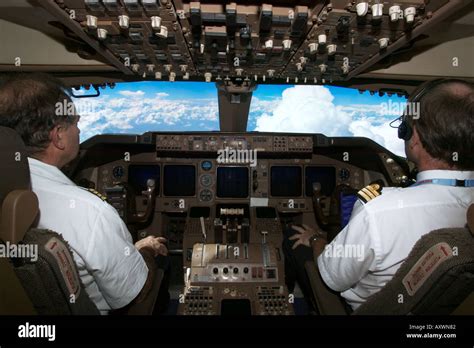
{"points": [[149, 193], [318, 210]]}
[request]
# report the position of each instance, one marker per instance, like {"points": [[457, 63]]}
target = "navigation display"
{"points": [[179, 180], [232, 182], [286, 181]]}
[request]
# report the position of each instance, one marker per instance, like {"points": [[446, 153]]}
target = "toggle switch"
{"points": [[395, 13], [287, 45], [410, 13], [102, 33], [156, 23], [362, 8], [91, 22], [269, 44], [332, 49], [322, 39], [124, 21], [163, 33], [377, 11], [383, 42]]}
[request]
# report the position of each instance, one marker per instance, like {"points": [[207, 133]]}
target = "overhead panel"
{"points": [[275, 42]]}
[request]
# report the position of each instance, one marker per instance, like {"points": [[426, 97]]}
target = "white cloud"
{"points": [[126, 112], [363, 108], [382, 134], [311, 109], [305, 109], [132, 94]]}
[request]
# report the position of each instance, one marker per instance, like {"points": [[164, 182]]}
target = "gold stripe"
{"points": [[364, 196], [368, 193], [374, 191]]}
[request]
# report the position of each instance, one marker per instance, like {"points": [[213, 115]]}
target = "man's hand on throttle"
{"points": [[154, 243], [304, 234]]}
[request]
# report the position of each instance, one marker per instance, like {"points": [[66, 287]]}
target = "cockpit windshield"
{"points": [[137, 107]]}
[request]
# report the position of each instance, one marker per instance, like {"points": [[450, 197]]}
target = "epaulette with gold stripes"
{"points": [[370, 192], [97, 193]]}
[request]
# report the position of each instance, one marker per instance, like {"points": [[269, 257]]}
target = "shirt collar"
{"points": [[48, 171], [445, 174]]}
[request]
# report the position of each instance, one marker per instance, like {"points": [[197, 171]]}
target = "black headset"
{"points": [[405, 131]]}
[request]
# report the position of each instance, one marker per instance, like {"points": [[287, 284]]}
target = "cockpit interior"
{"points": [[218, 212], [224, 198]]}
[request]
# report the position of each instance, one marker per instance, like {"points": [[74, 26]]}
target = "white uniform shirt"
{"points": [[381, 233], [111, 268]]}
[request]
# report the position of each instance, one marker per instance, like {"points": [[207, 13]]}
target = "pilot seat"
{"points": [[41, 281], [437, 278]]}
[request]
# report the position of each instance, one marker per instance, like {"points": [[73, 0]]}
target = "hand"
{"points": [[154, 243], [304, 234]]}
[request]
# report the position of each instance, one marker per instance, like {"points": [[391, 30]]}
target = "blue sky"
{"points": [[137, 107]]}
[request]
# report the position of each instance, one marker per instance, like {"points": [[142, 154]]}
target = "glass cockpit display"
{"points": [[232, 182], [286, 181], [179, 180]]}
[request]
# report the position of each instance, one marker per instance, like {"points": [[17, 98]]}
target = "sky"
{"points": [[138, 107]]}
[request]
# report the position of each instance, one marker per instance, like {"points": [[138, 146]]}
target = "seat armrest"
{"points": [[327, 300], [146, 306]]}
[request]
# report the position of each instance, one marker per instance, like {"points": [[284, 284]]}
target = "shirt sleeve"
{"points": [[352, 254], [116, 265]]}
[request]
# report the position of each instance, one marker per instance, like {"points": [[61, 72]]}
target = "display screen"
{"points": [[179, 180], [286, 181], [326, 176], [232, 182], [138, 175]]}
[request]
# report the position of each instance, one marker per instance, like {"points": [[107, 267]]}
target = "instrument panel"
{"points": [[210, 193], [203, 182], [210, 170]]}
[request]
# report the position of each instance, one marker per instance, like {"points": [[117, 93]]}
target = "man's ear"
{"points": [[57, 137], [415, 139]]}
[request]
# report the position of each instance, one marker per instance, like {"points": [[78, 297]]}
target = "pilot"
{"points": [[115, 272], [385, 224]]}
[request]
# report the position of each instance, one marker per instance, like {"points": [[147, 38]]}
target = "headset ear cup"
{"points": [[404, 131], [409, 132]]}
